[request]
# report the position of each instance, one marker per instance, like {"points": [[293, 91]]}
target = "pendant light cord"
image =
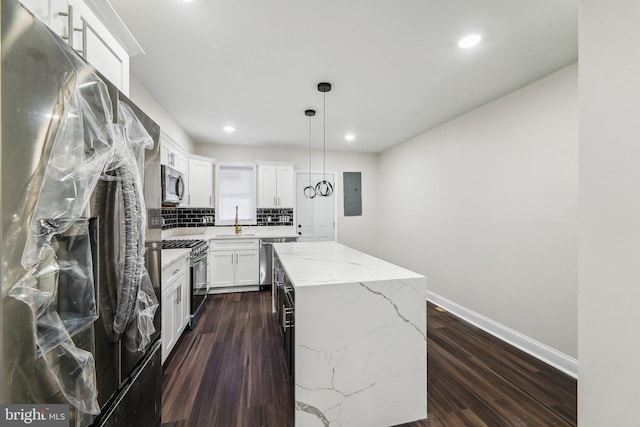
{"points": [[324, 136], [310, 191], [309, 149], [324, 188]]}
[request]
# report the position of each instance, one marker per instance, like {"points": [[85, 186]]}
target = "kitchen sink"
{"points": [[235, 236]]}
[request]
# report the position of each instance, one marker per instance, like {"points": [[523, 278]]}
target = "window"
{"points": [[236, 189]]}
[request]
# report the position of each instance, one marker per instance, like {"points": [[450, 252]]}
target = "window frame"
{"points": [[254, 216]]}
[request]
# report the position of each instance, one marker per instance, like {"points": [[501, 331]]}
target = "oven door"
{"points": [[199, 286]]}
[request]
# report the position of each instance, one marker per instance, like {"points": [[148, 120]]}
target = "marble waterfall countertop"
{"points": [[360, 337]]}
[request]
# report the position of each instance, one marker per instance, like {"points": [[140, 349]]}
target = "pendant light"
{"points": [[324, 188], [309, 190]]}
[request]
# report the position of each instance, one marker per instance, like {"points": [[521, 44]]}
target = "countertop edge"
{"points": [[401, 272], [170, 256]]}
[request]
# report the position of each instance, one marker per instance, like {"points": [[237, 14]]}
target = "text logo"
{"points": [[34, 415]]}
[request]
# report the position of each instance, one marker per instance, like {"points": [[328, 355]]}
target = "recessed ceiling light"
{"points": [[229, 129], [349, 137], [469, 41]]}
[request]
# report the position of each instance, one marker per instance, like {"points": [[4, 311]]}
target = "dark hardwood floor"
{"points": [[229, 371]]}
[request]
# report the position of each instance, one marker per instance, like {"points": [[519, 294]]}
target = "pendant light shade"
{"points": [[324, 188], [310, 191]]}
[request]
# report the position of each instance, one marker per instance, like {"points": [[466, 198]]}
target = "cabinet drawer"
{"points": [[173, 271], [233, 244]]}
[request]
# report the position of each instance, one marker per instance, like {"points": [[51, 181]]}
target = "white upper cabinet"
{"points": [[275, 186], [172, 155], [267, 186], [200, 182], [94, 30], [99, 47], [284, 184], [51, 12]]}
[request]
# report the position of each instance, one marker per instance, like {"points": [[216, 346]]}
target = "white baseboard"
{"points": [[552, 357]]}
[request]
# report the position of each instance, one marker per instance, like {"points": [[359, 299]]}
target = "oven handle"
{"points": [[198, 258]]}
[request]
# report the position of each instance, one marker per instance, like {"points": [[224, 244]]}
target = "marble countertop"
{"points": [[360, 337], [248, 232], [171, 255], [326, 263]]}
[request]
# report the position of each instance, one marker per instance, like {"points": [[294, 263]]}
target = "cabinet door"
{"points": [[185, 299], [200, 183], [247, 267], [222, 268], [40, 8], [267, 189], [182, 163], [164, 155], [99, 47], [285, 187], [52, 13], [180, 283], [168, 298], [178, 313]]}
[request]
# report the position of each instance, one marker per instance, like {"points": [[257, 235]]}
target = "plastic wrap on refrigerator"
{"points": [[84, 146]]}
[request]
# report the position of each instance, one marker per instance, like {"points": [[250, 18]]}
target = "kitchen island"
{"points": [[358, 347]]}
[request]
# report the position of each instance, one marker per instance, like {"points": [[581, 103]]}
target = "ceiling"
{"points": [[395, 66]]}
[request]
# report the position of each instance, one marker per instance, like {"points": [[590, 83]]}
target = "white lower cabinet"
{"points": [[234, 262], [247, 267], [175, 303]]}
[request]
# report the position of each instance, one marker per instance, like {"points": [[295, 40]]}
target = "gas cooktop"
{"points": [[181, 244]]}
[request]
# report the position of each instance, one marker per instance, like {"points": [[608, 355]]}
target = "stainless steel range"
{"points": [[199, 282]]}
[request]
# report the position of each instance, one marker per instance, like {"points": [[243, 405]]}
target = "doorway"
{"points": [[315, 217]]}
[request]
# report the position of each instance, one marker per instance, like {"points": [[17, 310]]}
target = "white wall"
{"points": [[486, 205], [143, 99], [359, 232], [609, 248]]}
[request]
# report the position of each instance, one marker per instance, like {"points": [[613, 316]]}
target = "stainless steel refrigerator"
{"points": [[81, 234]]}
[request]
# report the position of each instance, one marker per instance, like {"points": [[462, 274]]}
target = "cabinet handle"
{"points": [[284, 317], [286, 324], [278, 200], [232, 258], [237, 259], [70, 29], [83, 52], [209, 201], [175, 271]]}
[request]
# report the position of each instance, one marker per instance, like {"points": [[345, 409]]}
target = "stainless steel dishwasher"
{"points": [[266, 259]]}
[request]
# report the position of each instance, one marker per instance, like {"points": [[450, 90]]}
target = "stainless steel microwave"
{"points": [[172, 186]]}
